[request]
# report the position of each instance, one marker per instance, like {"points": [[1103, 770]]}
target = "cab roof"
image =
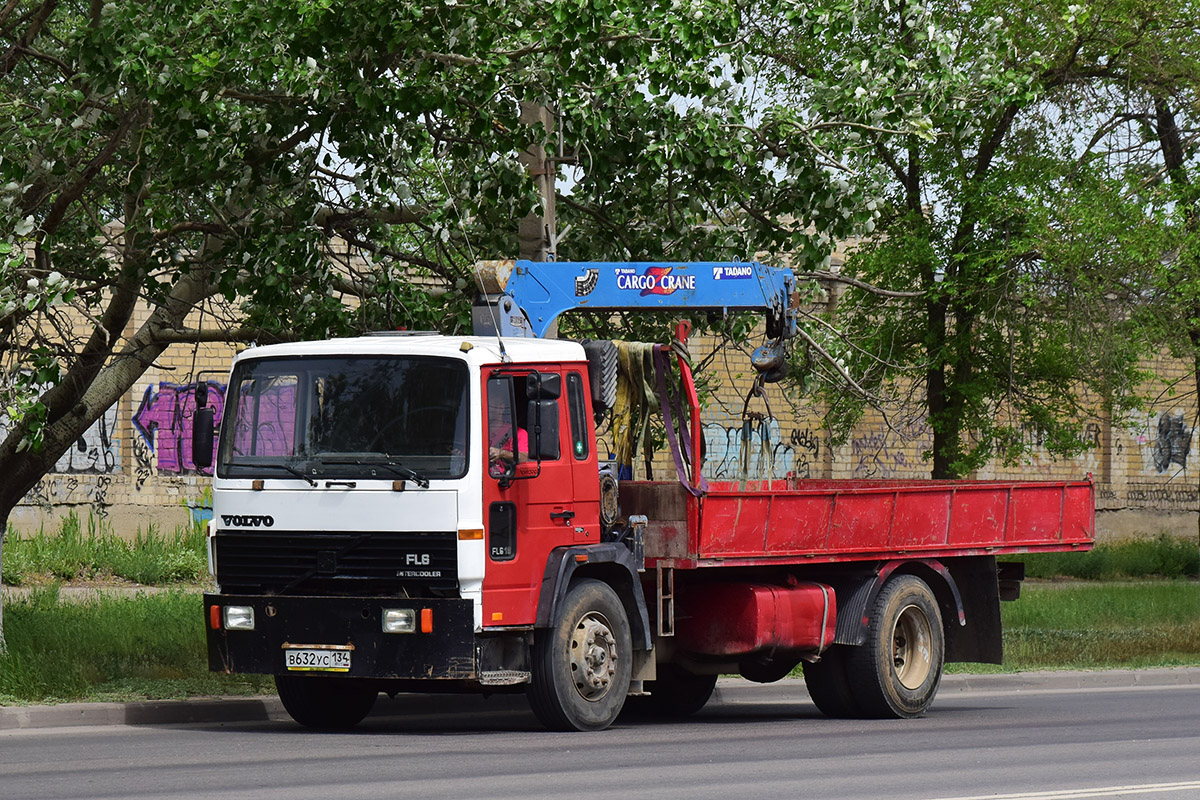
{"points": [[472, 349]]}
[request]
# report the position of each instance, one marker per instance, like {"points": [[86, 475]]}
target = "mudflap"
{"points": [[441, 647]]}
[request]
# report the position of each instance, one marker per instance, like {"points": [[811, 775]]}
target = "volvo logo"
{"points": [[248, 520]]}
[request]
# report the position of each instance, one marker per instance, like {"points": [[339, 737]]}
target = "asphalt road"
{"points": [[981, 740]]}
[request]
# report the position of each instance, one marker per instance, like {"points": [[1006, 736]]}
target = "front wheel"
{"points": [[582, 665], [896, 672], [326, 703]]}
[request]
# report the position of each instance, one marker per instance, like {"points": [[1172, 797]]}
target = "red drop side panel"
{"points": [[813, 521]]}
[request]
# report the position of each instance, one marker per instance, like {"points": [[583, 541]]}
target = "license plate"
{"points": [[317, 659]]}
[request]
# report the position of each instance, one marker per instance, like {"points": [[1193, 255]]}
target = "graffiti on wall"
{"points": [[763, 449], [729, 455], [89, 490], [891, 452], [1162, 497], [97, 451], [1165, 440], [806, 450], [1172, 443], [165, 420]]}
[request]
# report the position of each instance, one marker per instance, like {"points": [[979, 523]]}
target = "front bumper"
{"points": [[447, 651]]}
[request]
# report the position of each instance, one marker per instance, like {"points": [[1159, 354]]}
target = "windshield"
{"points": [[371, 416]]}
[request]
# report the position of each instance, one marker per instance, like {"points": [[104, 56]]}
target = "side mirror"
{"points": [[203, 430], [543, 418]]}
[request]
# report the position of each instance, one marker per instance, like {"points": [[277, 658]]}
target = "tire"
{"points": [[676, 692], [326, 703], [583, 663], [896, 672], [829, 685]]}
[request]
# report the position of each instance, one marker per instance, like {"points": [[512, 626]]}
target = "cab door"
{"points": [[581, 452], [529, 503]]}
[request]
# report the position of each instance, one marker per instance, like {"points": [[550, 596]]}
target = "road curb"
{"points": [[1072, 679], [156, 712], [730, 691]]}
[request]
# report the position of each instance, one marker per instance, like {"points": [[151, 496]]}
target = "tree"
{"points": [[1157, 141], [974, 126], [216, 160]]}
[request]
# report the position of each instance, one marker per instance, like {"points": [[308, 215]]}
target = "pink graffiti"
{"points": [[165, 419]]}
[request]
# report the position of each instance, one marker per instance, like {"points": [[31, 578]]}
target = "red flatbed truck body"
{"points": [[821, 521], [756, 577]]}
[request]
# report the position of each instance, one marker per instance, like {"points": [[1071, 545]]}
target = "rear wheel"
{"points": [[896, 672], [676, 692], [326, 703], [829, 685], [582, 665]]}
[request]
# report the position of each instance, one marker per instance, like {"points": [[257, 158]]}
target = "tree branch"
{"points": [[332, 219], [166, 335], [832, 276], [9, 60]]}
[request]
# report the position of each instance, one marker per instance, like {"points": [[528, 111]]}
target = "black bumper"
{"points": [[445, 652]]}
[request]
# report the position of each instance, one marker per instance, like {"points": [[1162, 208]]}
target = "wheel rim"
{"points": [[593, 656], [912, 647]]}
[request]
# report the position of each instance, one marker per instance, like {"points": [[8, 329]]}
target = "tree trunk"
{"points": [[1194, 334], [23, 469], [3, 534]]}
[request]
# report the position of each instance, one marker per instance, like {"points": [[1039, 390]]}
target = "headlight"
{"points": [[239, 618], [399, 620]]}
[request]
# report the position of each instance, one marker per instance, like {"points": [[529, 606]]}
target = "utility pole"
{"points": [[537, 233]]}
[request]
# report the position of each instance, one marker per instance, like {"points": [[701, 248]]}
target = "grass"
{"points": [[1162, 556], [1100, 626], [91, 551], [143, 647]]}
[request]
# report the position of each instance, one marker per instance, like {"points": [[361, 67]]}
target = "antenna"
{"points": [[474, 263]]}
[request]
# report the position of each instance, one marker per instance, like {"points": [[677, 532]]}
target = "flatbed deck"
{"points": [[773, 522]]}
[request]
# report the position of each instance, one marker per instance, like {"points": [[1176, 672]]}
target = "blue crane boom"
{"points": [[524, 298]]}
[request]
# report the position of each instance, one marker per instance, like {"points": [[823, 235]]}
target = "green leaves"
{"points": [[969, 136]]}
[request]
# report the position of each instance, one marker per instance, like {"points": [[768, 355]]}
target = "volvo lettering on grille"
{"points": [[248, 520]]}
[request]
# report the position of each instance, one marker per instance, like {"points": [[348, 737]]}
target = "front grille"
{"points": [[367, 563]]}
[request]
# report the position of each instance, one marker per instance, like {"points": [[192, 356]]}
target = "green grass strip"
{"points": [[149, 646], [92, 551], [1159, 556], [1100, 626]]}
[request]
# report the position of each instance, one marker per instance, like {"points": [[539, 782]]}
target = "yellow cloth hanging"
{"points": [[636, 400]]}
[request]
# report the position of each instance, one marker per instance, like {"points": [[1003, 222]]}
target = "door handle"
{"points": [[563, 515]]}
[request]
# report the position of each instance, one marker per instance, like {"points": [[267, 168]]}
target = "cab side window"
{"points": [[578, 412], [507, 439]]}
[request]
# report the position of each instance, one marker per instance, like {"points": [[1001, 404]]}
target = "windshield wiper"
{"points": [[292, 470], [378, 461]]}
